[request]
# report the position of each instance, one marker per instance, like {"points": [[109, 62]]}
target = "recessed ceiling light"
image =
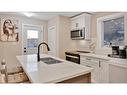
{"points": [[28, 14]]}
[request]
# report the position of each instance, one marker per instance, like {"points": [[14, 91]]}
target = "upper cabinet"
{"points": [[82, 21], [77, 22]]}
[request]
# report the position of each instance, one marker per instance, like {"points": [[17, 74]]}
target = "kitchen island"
{"points": [[64, 72]]}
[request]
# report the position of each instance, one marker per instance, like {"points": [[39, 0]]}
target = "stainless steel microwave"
{"points": [[78, 34]]}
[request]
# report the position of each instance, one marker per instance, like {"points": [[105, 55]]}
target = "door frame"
{"points": [[57, 45], [38, 26]]}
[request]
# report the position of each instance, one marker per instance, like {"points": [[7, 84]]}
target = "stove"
{"points": [[74, 56], [77, 52]]}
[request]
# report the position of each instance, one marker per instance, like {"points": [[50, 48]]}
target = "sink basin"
{"points": [[49, 60]]}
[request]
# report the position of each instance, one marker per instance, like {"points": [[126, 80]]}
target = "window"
{"points": [[114, 31], [111, 30], [32, 38]]}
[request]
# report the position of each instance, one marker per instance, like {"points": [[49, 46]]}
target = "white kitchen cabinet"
{"points": [[108, 70], [78, 22], [82, 21], [126, 76], [117, 74], [93, 63], [104, 71], [100, 73], [73, 24]]}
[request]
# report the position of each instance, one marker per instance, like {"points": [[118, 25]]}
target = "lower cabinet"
{"points": [[93, 63], [100, 73], [117, 74], [104, 71]]}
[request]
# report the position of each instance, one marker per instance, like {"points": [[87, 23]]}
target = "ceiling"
{"points": [[42, 15]]}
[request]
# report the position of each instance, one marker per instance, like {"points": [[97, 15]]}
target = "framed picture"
{"points": [[9, 30]]}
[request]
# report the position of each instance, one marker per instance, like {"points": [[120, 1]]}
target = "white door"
{"points": [[32, 35], [52, 41]]}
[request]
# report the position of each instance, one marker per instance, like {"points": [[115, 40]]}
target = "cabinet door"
{"points": [[100, 73], [93, 63], [117, 74], [104, 71], [73, 24], [126, 76], [84, 61], [78, 22], [95, 75]]}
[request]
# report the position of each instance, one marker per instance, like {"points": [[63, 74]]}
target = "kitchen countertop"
{"points": [[104, 57], [40, 72], [111, 60]]}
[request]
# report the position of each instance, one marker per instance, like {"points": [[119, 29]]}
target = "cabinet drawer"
{"points": [[100, 74], [88, 59], [86, 64]]}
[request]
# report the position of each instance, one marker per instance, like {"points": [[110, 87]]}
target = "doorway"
{"points": [[52, 41], [32, 35]]}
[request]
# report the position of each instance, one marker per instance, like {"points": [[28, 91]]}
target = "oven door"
{"points": [[75, 59]]}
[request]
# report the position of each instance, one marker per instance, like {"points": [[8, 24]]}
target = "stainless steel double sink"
{"points": [[49, 60]]}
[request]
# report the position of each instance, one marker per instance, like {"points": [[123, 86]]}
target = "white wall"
{"points": [[64, 42], [82, 45], [54, 22], [94, 30], [9, 50]]}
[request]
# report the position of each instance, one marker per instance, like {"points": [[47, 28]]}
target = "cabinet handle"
{"points": [[99, 63], [76, 24], [88, 59], [88, 66]]}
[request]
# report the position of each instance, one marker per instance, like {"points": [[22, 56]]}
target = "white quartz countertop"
{"points": [[40, 72], [105, 57], [113, 61]]}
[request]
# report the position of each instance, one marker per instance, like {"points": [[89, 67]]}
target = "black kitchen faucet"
{"points": [[38, 54]]}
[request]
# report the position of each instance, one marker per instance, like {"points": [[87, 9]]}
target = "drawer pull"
{"points": [[99, 63], [88, 59], [88, 66]]}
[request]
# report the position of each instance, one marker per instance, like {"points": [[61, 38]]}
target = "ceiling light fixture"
{"points": [[28, 14]]}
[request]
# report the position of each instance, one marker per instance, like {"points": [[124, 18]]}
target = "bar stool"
{"points": [[16, 76], [3, 75]]}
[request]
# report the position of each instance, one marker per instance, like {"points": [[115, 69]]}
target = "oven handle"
{"points": [[72, 56]]}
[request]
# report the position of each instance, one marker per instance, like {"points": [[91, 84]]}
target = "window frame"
{"points": [[100, 28]]}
